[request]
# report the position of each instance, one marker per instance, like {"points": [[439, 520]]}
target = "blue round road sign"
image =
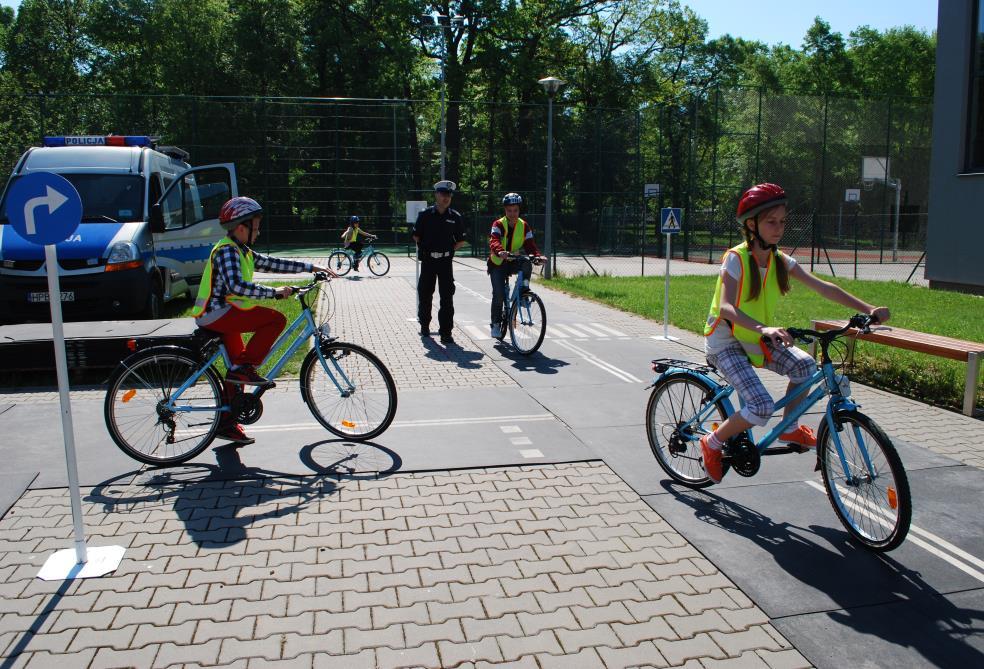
{"points": [[44, 208]]}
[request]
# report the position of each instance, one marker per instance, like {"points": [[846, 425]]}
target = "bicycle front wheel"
{"points": [[340, 263], [352, 394], [137, 415], [675, 400], [527, 323], [871, 497], [378, 263]]}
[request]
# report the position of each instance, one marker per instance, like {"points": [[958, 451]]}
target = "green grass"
{"points": [[925, 377], [290, 308]]}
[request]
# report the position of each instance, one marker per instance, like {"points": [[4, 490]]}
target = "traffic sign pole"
{"points": [[670, 218], [68, 431], [45, 209]]}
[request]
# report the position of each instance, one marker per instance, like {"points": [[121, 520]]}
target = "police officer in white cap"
{"points": [[439, 232]]}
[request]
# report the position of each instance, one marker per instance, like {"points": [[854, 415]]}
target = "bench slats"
{"points": [[945, 347]]}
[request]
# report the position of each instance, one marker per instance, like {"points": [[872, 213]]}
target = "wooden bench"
{"points": [[944, 347]]}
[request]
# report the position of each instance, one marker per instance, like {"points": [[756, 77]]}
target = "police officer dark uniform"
{"points": [[439, 231]]}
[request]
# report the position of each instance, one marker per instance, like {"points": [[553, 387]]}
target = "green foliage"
{"points": [[924, 377]]}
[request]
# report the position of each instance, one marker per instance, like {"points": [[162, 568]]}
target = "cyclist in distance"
{"points": [[353, 238], [226, 283], [509, 234], [741, 334]]}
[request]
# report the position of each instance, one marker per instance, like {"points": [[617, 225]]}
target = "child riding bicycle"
{"points": [[510, 234], [227, 280], [740, 332], [353, 238]]}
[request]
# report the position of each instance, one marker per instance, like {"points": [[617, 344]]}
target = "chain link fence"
{"points": [[314, 162]]}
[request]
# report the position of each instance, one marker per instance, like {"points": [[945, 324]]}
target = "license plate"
{"points": [[66, 296]]}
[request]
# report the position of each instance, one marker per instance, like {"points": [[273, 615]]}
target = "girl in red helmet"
{"points": [[741, 333]]}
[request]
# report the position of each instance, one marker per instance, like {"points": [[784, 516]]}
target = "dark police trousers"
{"points": [[436, 270]]}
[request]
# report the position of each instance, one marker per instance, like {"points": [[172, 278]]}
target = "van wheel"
{"points": [[152, 308]]}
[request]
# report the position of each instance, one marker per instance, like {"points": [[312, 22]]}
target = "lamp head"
{"points": [[551, 85]]}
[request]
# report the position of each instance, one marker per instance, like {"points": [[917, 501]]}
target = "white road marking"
{"points": [[611, 331], [520, 441], [554, 333], [601, 364], [566, 327], [953, 557], [433, 422], [531, 453], [510, 429], [473, 293], [589, 330]]}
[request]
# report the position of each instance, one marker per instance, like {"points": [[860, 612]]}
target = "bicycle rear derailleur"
{"points": [[742, 455]]}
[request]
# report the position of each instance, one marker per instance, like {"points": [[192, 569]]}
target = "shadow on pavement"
{"points": [[218, 502], [873, 593], [452, 352], [536, 362]]}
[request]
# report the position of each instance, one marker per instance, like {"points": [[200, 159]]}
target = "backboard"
{"points": [[875, 168]]}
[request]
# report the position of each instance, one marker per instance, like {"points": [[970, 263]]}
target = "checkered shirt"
{"points": [[227, 276]]}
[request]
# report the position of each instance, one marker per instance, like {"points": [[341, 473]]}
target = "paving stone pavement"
{"points": [[546, 566]]}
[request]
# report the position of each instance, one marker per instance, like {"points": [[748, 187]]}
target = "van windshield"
{"points": [[106, 198]]}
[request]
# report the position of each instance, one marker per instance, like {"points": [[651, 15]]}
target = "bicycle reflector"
{"points": [[131, 344], [128, 395], [349, 424], [893, 498]]}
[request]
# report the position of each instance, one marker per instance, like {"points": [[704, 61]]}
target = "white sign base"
{"points": [[63, 565]]}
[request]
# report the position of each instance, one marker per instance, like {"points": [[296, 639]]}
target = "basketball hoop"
{"points": [[868, 184]]}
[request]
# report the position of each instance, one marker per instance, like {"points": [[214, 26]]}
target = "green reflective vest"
{"points": [[762, 309], [246, 266], [518, 237]]}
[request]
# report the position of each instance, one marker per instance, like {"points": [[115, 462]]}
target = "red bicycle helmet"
{"points": [[238, 210], [758, 198]]}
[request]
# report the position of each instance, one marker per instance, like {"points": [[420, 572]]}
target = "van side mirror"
{"points": [[156, 219]]}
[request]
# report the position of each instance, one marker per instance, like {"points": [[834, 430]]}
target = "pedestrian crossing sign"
{"points": [[670, 220]]}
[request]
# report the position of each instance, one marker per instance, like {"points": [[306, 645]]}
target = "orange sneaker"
{"points": [[801, 436], [712, 460]]}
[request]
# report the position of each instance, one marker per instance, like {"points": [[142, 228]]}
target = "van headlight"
{"points": [[123, 252]]}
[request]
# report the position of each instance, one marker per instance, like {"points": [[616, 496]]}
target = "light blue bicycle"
{"points": [[862, 471], [164, 403]]}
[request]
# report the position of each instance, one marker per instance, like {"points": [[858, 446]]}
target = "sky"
{"points": [[786, 21]]}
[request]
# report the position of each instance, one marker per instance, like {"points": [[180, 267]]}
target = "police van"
{"points": [[149, 221]]}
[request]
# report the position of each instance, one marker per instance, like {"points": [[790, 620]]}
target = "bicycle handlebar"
{"points": [[536, 260], [860, 322]]}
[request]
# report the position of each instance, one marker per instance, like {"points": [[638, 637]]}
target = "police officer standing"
{"points": [[439, 232]]}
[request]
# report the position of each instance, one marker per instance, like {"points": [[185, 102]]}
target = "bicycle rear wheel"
{"points": [[674, 401], [378, 263], [340, 263], [527, 323], [873, 504], [136, 410], [354, 396]]}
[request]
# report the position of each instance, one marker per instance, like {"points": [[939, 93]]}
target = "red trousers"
{"points": [[266, 325]]}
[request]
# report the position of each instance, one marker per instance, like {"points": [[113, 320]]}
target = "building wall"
{"points": [[955, 234]]}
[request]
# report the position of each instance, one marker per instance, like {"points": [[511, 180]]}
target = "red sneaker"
{"points": [[234, 433], [802, 436], [712, 459]]}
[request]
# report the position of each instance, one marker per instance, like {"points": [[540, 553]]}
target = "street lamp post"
{"points": [[550, 86], [443, 22]]}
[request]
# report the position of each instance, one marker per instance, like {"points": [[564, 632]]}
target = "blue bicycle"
{"points": [[862, 471], [341, 261], [164, 403], [523, 313]]}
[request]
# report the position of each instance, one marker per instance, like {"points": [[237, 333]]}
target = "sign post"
{"points": [[670, 224], [45, 209]]}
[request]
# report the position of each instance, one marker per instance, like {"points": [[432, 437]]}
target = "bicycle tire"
{"points": [[144, 430], [378, 263], [876, 513], [527, 336], [361, 406], [675, 399], [340, 263]]}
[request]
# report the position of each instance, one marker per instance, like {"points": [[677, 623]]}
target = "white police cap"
{"points": [[448, 186]]}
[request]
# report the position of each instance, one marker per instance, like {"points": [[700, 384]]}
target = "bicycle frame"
{"points": [[512, 296], [825, 382], [305, 328]]}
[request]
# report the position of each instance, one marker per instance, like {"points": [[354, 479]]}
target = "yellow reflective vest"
{"points": [[762, 308], [246, 266], [518, 237]]}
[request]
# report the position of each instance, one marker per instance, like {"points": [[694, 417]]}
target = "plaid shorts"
{"points": [[757, 405]]}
